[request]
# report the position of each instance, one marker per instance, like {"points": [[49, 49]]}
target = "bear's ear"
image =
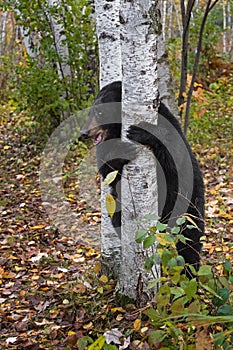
{"points": [[110, 93]]}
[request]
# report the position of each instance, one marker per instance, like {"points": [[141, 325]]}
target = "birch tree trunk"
{"points": [[230, 26], [60, 44], [224, 38], [164, 15], [140, 29], [108, 32]]}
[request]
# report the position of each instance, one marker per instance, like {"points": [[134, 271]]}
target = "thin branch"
{"points": [[195, 66]]}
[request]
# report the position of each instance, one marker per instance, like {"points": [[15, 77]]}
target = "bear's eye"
{"points": [[99, 115]]}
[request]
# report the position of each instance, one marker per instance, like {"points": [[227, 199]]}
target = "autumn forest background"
{"points": [[52, 292]]}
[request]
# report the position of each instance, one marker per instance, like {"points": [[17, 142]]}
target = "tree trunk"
{"points": [[208, 8], [186, 10], [164, 15], [60, 44], [140, 30], [108, 32], [224, 38], [165, 84]]}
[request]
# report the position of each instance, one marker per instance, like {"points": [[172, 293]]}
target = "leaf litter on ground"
{"points": [[51, 293]]}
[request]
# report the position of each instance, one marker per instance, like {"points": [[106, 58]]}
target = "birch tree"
{"points": [[108, 32], [135, 55], [140, 28], [165, 84], [59, 40]]}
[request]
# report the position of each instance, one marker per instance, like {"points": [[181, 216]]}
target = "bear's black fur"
{"points": [[180, 183]]}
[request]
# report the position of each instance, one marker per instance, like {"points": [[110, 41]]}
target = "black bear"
{"points": [[180, 182]]}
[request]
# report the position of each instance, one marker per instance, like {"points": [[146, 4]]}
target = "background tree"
{"points": [[58, 71], [186, 12]]}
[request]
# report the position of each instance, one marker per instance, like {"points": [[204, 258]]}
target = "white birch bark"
{"points": [[170, 21], [164, 15], [108, 32], [60, 43], [3, 28], [139, 185], [176, 8], [229, 26], [224, 38]]}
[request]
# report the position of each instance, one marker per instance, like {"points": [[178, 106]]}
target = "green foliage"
{"points": [[45, 86], [210, 39], [205, 128], [183, 305]]}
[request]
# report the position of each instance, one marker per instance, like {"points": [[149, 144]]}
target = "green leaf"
{"points": [[152, 314], [177, 306], [110, 347], [206, 287], [141, 235], [163, 295], [191, 289], [180, 221], [175, 230], [161, 227], [83, 342], [205, 270], [98, 344], [227, 266], [190, 227], [149, 241], [177, 292], [151, 261], [110, 178], [223, 294], [225, 310], [151, 217], [156, 337], [194, 307], [180, 260], [166, 256]]}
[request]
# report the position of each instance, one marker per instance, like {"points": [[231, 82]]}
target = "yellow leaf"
{"points": [[100, 290], [119, 309], [188, 218], [98, 344], [119, 317], [97, 267], [110, 178], [71, 333], [163, 239], [88, 326], [18, 268], [104, 279], [110, 204], [91, 252], [137, 324], [37, 227], [6, 147]]}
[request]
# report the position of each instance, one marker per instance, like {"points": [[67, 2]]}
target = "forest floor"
{"points": [[51, 293]]}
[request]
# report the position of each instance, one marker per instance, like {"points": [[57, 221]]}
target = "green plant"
{"points": [[44, 88], [183, 306]]}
